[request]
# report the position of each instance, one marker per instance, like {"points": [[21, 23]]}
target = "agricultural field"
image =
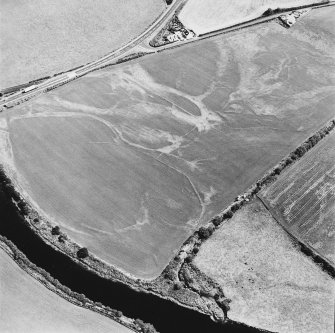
{"points": [[130, 160], [271, 283], [303, 199], [42, 37], [206, 16], [24, 302]]}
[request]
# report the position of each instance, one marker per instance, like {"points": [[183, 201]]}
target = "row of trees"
{"points": [[271, 11], [25, 263], [205, 232], [171, 271], [82, 253], [144, 327]]}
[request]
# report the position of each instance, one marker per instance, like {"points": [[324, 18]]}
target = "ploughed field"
{"points": [[24, 302], [130, 160], [42, 37], [210, 15], [303, 198], [271, 283]]}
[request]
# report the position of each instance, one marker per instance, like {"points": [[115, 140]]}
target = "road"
{"points": [[112, 57], [141, 40], [239, 26]]}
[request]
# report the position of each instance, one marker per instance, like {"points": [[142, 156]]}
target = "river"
{"points": [[165, 315]]}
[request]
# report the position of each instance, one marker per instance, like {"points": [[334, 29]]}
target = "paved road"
{"points": [[247, 24], [108, 59], [142, 40]]}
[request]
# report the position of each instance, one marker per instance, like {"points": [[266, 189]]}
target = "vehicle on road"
{"points": [[30, 88]]}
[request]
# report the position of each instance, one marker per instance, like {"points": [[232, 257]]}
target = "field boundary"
{"points": [[169, 284], [308, 250], [175, 270], [42, 227], [206, 231]]}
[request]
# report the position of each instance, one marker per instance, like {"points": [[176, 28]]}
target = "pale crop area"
{"points": [[43, 37], [130, 160], [271, 283], [206, 16], [27, 306]]}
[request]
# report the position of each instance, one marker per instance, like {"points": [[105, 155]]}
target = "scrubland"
{"points": [[271, 283], [42, 37], [129, 161], [27, 306], [303, 198], [206, 16]]}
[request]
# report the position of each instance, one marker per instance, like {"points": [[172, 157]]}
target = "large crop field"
{"points": [[43, 37], [271, 283], [27, 306], [303, 198], [130, 160], [210, 15]]}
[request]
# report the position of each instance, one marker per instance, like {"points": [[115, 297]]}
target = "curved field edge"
{"points": [[170, 284], [260, 142], [55, 286], [203, 233], [43, 229]]}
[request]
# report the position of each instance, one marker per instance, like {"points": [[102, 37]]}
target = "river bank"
{"points": [[165, 315], [33, 235], [56, 287]]}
